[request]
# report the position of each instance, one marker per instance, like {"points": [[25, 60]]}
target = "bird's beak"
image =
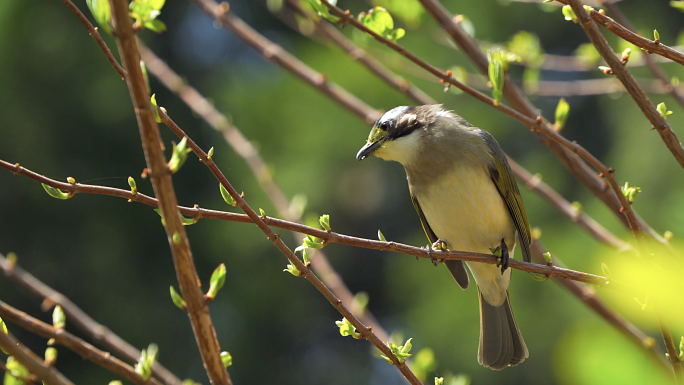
{"points": [[368, 150]]}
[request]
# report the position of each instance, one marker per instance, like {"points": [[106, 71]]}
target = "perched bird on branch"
{"points": [[467, 199]]}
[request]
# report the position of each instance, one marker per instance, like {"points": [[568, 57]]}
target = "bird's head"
{"points": [[398, 134]]}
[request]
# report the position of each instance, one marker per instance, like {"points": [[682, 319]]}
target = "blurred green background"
{"points": [[65, 112]]}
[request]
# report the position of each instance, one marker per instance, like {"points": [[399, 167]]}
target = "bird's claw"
{"points": [[503, 251], [437, 245]]}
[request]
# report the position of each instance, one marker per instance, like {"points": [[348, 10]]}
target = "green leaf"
{"points": [[179, 156], [325, 222], [378, 20], [16, 372], [663, 111], [176, 238], [347, 329], [3, 328], [156, 4], [227, 359], [439, 380], [569, 14], [218, 278], [177, 299], [562, 111], [147, 359], [381, 236], [397, 34], [497, 74], [547, 258], [55, 192], [134, 186], [538, 277], [143, 68], [50, 356], [324, 11], [656, 35], [58, 318], [155, 25], [305, 257], [292, 269], [101, 12], [153, 101], [185, 221], [210, 154], [226, 196]]}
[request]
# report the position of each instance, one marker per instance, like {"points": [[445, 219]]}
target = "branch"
{"points": [[73, 343], [671, 349], [81, 320], [613, 8], [642, 101], [650, 46], [32, 362], [189, 282], [327, 237], [98, 39]]}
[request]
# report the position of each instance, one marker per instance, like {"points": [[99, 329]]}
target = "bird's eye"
{"points": [[384, 125]]}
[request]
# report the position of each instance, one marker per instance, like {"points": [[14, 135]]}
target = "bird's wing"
{"points": [[455, 267], [502, 176]]}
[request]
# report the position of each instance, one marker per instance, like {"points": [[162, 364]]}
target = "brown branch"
{"points": [[31, 361], [327, 237], [671, 349], [650, 46], [73, 343], [642, 101], [594, 228], [98, 39], [244, 148], [648, 59], [277, 54], [81, 320], [189, 282], [536, 125]]}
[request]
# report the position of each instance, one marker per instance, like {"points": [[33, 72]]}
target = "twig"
{"points": [[274, 52], [648, 59], [31, 361], [205, 335], [81, 320], [536, 125], [327, 237], [642, 101], [244, 148], [671, 349], [594, 228], [98, 39], [73, 343], [650, 46]]}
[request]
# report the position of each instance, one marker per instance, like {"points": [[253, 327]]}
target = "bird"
{"points": [[467, 199]]}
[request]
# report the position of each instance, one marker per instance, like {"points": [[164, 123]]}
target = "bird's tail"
{"points": [[501, 343]]}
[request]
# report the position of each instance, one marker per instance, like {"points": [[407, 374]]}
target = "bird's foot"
{"points": [[437, 245], [501, 253]]}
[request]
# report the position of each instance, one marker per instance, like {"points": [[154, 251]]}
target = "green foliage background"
{"points": [[65, 112]]}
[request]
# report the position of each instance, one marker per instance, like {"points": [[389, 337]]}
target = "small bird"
{"points": [[466, 197]]}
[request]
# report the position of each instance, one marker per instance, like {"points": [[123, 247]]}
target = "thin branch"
{"points": [[32, 362], [671, 349], [275, 53], [244, 148], [73, 343], [650, 46], [594, 228], [81, 320], [98, 39], [189, 282], [536, 125], [648, 59], [642, 101], [327, 237]]}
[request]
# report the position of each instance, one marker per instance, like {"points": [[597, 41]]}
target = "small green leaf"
{"points": [[381, 236], [547, 258], [496, 74], [210, 154], [226, 196], [58, 318], [71, 180], [630, 192], [562, 111], [16, 372], [176, 238], [218, 278], [101, 12], [323, 11], [677, 5], [153, 101], [134, 186], [147, 359], [227, 359], [156, 4], [569, 14], [656, 35], [305, 257], [179, 156], [50, 356], [292, 269], [55, 192], [325, 222], [439, 380], [3, 328], [577, 206], [184, 221], [397, 34], [155, 25], [663, 111], [347, 329], [262, 212], [177, 299]]}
